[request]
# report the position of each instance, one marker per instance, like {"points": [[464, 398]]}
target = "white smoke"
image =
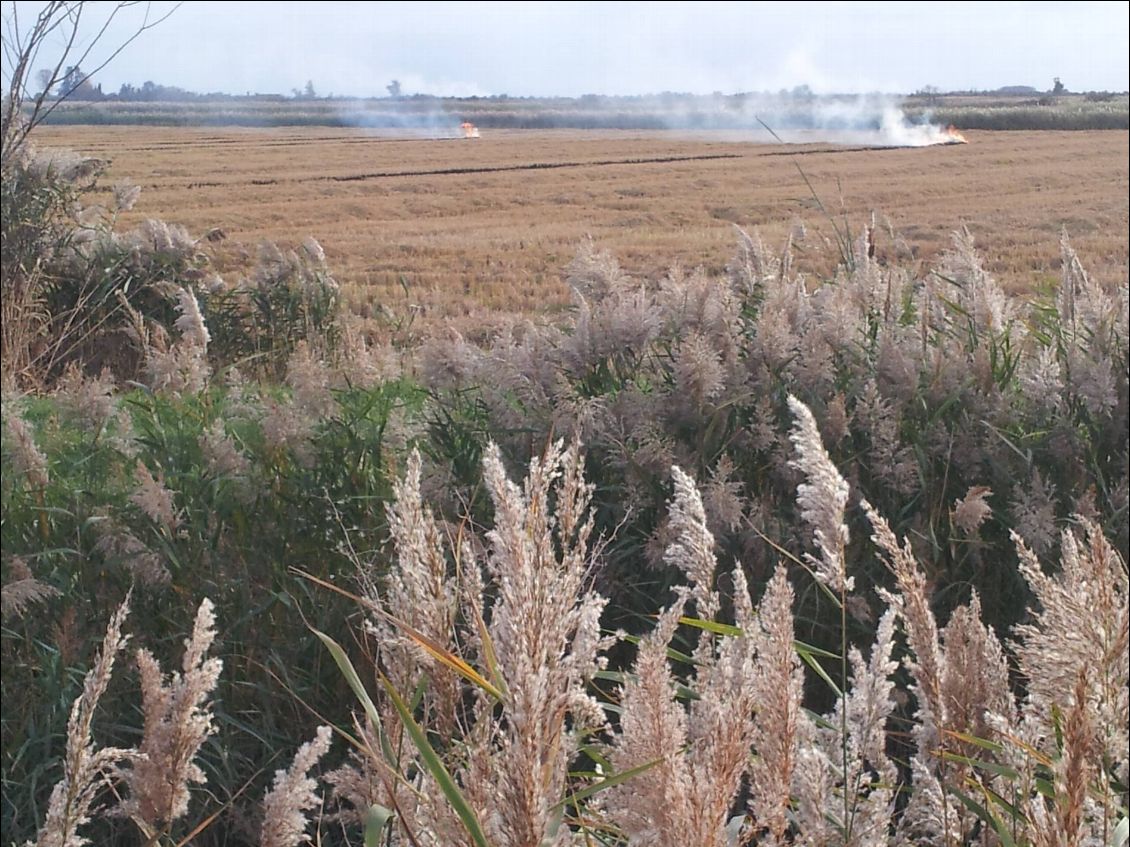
{"points": [[407, 117], [792, 117], [876, 122], [801, 117]]}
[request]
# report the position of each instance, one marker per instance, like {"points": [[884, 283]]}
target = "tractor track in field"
{"points": [[532, 166], [872, 148], [487, 169]]}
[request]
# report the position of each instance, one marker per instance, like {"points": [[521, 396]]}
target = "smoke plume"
{"points": [[798, 116]]}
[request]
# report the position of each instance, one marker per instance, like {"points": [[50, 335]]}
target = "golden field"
{"points": [[458, 227]]}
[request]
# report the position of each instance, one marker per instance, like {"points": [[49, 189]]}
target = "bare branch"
{"points": [[21, 51]]}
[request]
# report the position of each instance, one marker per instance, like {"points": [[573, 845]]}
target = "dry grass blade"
{"points": [[436, 768], [436, 651]]}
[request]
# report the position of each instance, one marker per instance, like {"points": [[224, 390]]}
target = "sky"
{"points": [[570, 49]]}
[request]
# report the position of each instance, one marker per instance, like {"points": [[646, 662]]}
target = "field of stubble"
{"points": [[462, 226]]}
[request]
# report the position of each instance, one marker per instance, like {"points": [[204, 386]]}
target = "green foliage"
{"points": [[258, 324], [313, 505]]}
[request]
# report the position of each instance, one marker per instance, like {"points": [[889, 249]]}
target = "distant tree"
{"points": [[72, 78], [46, 80], [308, 92], [1059, 87], [77, 85], [151, 91], [393, 88], [930, 94]]}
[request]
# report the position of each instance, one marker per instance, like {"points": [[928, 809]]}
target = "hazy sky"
{"points": [[527, 48]]}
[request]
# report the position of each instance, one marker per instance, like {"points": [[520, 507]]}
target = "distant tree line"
{"points": [[75, 85]]}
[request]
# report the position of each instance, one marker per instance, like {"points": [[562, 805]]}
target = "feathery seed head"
{"points": [[822, 498]]}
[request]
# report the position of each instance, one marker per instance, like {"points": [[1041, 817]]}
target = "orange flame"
{"points": [[469, 129], [953, 136]]}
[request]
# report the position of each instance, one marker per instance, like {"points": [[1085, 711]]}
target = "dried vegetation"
{"points": [[841, 561]]}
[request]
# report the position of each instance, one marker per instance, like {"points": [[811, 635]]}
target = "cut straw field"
{"points": [[459, 227]]}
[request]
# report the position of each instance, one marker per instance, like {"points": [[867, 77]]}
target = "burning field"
{"points": [[457, 228], [953, 136], [857, 122]]}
